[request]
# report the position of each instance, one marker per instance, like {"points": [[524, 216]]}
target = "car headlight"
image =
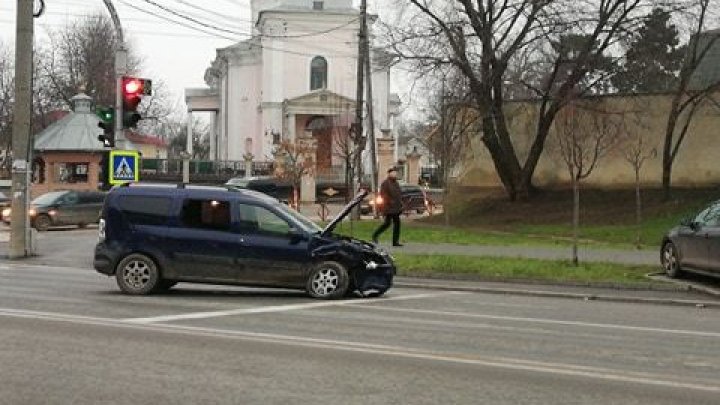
{"points": [[371, 265], [32, 212], [6, 213], [52, 213]]}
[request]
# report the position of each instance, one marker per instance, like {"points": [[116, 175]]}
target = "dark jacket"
{"points": [[392, 197]]}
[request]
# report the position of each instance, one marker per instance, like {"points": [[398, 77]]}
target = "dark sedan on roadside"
{"points": [[60, 208], [694, 245]]}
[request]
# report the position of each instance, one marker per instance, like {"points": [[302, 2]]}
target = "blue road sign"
{"points": [[124, 166]]}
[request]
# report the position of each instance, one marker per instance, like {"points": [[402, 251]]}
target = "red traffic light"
{"points": [[132, 86]]}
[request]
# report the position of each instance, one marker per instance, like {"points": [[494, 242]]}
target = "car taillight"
{"points": [[101, 230]]}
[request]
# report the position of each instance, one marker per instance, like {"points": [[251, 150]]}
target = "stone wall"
{"points": [[696, 163]]}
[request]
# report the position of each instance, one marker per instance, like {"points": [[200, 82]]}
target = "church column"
{"points": [[307, 184], [188, 149], [214, 136], [291, 123]]}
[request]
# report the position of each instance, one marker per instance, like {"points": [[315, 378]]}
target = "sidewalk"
{"points": [[617, 256], [670, 294]]}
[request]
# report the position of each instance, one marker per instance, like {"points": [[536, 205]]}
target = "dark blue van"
{"points": [[154, 236]]}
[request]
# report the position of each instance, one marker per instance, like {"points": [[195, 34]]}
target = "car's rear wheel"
{"points": [[42, 223], [670, 260], [328, 280], [138, 274]]}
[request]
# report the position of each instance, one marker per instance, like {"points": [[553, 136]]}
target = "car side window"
{"points": [[69, 199], [712, 217], [206, 214], [256, 219], [145, 210]]}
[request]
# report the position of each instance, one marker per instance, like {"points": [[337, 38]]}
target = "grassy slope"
{"points": [[522, 269], [607, 216]]}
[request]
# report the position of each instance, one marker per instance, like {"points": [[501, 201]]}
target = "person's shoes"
{"points": [[398, 244]]}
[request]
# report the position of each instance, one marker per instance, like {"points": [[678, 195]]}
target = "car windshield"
{"points": [[49, 198], [306, 224]]}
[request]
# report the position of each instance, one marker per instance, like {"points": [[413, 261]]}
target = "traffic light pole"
{"points": [[19, 227], [120, 71]]}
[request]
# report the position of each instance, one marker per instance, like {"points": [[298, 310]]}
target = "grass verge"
{"points": [[413, 231], [492, 268]]}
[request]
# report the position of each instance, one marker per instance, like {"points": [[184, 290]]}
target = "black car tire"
{"points": [[670, 260], [138, 274], [328, 280], [42, 223]]}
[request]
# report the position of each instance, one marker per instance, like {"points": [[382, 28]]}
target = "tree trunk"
{"points": [[638, 209], [506, 164], [576, 219], [667, 161]]}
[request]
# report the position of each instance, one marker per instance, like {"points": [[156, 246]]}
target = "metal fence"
{"points": [[150, 166]]}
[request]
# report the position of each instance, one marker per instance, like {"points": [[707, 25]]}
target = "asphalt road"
{"points": [[68, 336]]}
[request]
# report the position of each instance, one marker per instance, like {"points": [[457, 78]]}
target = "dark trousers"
{"points": [[395, 218]]}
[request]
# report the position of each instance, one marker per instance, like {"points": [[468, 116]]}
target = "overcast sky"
{"points": [[176, 54]]}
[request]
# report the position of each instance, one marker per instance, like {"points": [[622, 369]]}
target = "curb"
{"points": [[688, 285], [556, 294], [637, 286]]}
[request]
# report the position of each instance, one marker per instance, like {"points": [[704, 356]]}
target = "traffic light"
{"points": [[107, 123], [133, 89]]}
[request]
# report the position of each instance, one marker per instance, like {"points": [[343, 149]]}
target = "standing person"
{"points": [[391, 206]]}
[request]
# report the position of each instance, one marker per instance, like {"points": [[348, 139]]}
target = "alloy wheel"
{"points": [[325, 282], [670, 263], [137, 274]]}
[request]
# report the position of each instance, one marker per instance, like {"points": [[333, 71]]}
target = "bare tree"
{"points": [[637, 149], [344, 148], [7, 84], [293, 162], [449, 137], [175, 129], [585, 133], [692, 91], [482, 39], [81, 57]]}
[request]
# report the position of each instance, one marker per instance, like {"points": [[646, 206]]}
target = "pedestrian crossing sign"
{"points": [[124, 166]]}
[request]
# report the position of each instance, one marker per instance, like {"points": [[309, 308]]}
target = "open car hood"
{"points": [[344, 212]]}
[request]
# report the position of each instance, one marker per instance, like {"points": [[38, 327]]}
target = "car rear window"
{"points": [[145, 210]]}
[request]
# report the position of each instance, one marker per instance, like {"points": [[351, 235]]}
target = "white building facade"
{"points": [[295, 77]]}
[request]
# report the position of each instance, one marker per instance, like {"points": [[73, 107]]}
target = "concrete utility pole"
{"points": [[359, 102], [371, 121], [22, 126], [120, 71]]}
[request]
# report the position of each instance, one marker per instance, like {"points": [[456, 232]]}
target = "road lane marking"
{"points": [[552, 321], [514, 364], [282, 308]]}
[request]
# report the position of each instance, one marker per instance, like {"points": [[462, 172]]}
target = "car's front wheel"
{"points": [[328, 280], [42, 223], [137, 274], [670, 260]]}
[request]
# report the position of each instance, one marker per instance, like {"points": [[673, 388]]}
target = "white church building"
{"points": [[295, 76]]}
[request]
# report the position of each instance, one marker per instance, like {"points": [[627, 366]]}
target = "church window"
{"points": [[318, 73], [318, 5]]}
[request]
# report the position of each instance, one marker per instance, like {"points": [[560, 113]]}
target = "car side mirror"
{"points": [[296, 235]]}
